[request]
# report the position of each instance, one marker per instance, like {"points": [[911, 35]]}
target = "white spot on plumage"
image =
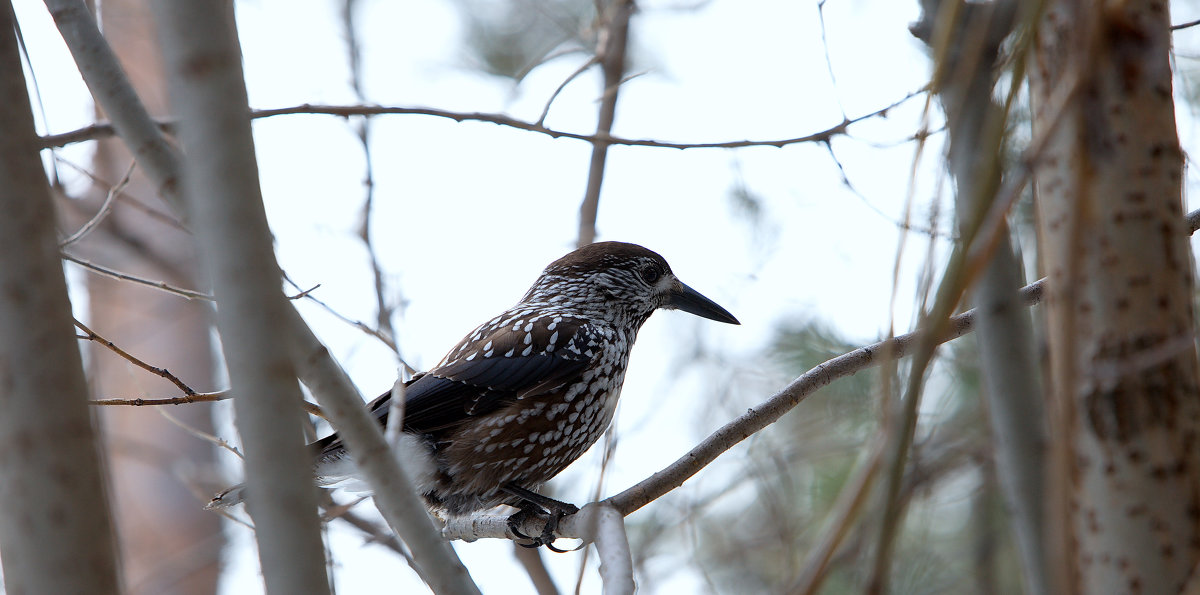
{"points": [[527, 350]]}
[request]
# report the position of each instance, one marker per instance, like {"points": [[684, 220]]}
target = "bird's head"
{"points": [[620, 282]]}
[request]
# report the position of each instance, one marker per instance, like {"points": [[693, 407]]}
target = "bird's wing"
{"points": [[482, 375], [502, 366]]}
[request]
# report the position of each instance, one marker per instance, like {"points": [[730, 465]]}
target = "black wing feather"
{"points": [[455, 392]]}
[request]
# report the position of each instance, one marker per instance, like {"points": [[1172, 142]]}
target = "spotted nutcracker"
{"points": [[526, 393]]}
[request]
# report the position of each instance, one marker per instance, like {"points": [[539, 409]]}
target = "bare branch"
{"points": [[103, 130], [212, 397], [358, 324], [1186, 25], [395, 496], [140, 206], [591, 61], [614, 36], [205, 436], [91, 335], [115, 94], [850, 502], [105, 208], [770, 410], [605, 526], [115, 274]]}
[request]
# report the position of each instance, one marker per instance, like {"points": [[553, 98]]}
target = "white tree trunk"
{"points": [[1120, 323], [221, 190]]}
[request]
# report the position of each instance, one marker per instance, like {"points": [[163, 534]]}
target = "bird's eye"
{"points": [[651, 274]]}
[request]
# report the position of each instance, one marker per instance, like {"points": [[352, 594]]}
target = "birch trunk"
{"points": [[1125, 403], [221, 191]]}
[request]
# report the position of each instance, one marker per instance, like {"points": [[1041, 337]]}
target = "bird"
{"points": [[526, 393]]}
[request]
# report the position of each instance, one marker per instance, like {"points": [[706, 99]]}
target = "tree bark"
{"points": [[1125, 401], [170, 544], [224, 200], [55, 532]]}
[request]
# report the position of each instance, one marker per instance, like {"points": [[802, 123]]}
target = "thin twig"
{"points": [[373, 532], [362, 128], [358, 324], [212, 397], [91, 335], [149, 211], [105, 208], [850, 501], [1186, 25], [828, 59], [115, 274], [205, 436], [591, 61], [103, 130]]}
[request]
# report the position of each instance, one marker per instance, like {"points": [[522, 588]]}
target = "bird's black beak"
{"points": [[689, 300]]}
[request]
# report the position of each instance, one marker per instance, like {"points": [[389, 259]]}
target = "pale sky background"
{"points": [[468, 214]]}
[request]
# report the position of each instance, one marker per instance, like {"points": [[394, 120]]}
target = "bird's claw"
{"points": [[547, 536]]}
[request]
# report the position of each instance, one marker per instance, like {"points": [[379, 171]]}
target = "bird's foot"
{"points": [[532, 504]]}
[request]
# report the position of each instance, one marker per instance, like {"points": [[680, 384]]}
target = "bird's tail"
{"points": [[337, 469]]}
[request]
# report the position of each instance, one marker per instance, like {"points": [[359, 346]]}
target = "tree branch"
{"points": [[163, 373], [103, 130], [115, 274], [115, 94], [611, 55], [395, 496]]}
